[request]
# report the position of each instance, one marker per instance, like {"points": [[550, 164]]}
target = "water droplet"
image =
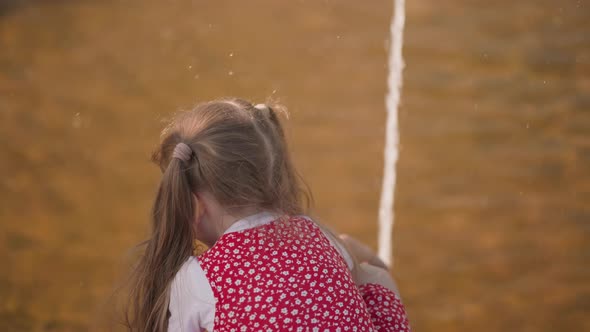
{"points": [[544, 82], [231, 55], [274, 91], [190, 66], [76, 121], [338, 37], [197, 76], [230, 73]]}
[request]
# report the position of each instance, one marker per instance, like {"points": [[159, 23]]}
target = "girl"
{"points": [[228, 182]]}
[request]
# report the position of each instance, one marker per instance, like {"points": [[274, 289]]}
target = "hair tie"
{"points": [[263, 108], [182, 151]]}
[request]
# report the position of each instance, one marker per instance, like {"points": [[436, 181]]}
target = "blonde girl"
{"points": [[228, 181]]}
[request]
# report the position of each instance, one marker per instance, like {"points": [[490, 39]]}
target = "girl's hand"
{"points": [[371, 269]]}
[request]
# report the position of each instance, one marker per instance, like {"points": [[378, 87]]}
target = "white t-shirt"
{"points": [[192, 304]]}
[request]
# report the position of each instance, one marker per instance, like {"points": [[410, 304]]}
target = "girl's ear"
{"points": [[200, 208]]}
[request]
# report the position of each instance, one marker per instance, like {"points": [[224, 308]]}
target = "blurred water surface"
{"points": [[494, 174]]}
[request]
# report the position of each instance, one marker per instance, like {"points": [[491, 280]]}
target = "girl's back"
{"points": [[284, 275]]}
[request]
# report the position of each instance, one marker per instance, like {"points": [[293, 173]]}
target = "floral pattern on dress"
{"points": [[283, 276]]}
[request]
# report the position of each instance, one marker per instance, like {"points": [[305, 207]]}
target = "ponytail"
{"points": [[168, 248]]}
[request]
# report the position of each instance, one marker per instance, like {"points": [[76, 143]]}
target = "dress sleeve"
{"points": [[385, 308], [192, 304]]}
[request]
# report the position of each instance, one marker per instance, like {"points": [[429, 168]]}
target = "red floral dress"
{"points": [[287, 276]]}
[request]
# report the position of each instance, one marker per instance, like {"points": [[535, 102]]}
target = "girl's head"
{"points": [[232, 153], [238, 154]]}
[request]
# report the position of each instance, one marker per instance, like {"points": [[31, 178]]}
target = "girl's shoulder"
{"points": [[333, 241]]}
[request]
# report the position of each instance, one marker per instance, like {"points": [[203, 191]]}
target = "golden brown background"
{"points": [[492, 213]]}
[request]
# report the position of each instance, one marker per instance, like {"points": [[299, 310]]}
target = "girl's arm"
{"points": [[192, 304], [378, 289], [381, 297]]}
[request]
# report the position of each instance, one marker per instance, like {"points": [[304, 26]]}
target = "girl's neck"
{"points": [[216, 220], [227, 219]]}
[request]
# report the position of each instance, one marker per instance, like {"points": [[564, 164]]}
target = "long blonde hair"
{"points": [[240, 156]]}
